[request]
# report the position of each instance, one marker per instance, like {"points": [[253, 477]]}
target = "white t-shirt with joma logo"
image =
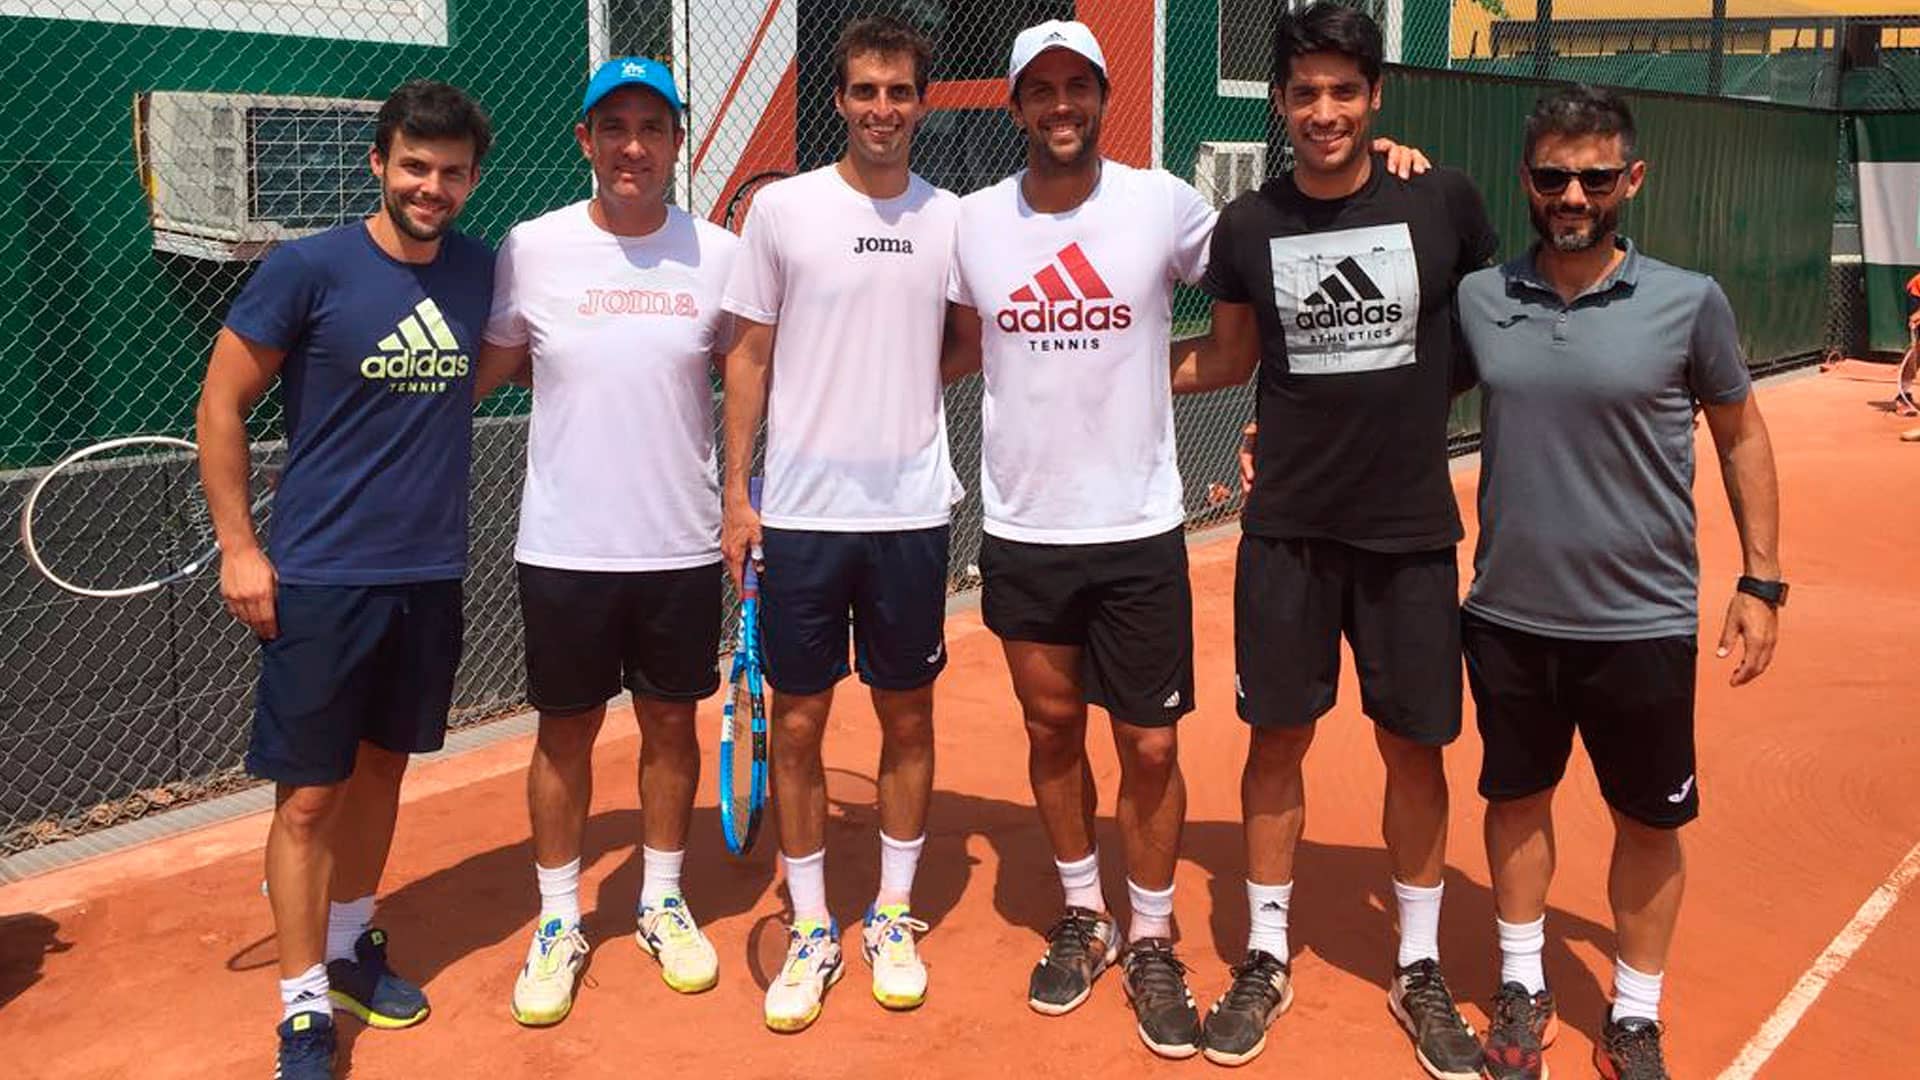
{"points": [[1076, 313], [856, 286], [621, 473]]}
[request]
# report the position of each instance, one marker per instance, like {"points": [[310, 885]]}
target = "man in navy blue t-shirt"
{"points": [[356, 598]]}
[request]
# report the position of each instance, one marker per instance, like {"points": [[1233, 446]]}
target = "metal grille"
{"points": [[151, 152]]}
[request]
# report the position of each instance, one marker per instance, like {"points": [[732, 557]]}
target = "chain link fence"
{"points": [[151, 152]]}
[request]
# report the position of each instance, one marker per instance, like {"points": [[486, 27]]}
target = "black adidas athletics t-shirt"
{"points": [[1354, 300]]}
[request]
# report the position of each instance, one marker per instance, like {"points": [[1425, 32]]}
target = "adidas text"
{"points": [[1065, 317], [1331, 316]]}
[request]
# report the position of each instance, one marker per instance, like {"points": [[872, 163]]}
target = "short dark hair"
{"points": [[887, 36], [1327, 27], [426, 109], [1582, 110]]}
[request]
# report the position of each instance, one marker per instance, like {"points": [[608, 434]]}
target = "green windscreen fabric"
{"points": [[1888, 145]]}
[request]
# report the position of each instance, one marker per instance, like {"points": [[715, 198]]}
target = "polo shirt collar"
{"points": [[1522, 271]]}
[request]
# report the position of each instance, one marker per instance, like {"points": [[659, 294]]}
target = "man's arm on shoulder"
{"points": [[501, 364], [960, 343], [1226, 355], [238, 374]]}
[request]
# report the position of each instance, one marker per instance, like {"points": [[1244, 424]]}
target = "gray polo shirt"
{"points": [[1587, 524]]}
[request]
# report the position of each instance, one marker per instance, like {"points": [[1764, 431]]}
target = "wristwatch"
{"points": [[1771, 593]]}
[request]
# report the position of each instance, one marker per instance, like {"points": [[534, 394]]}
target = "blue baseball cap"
{"points": [[631, 71]]}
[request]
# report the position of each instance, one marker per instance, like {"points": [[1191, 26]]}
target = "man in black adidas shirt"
{"points": [[1337, 279]]}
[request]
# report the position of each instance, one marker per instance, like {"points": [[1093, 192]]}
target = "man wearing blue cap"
{"points": [[613, 304]]}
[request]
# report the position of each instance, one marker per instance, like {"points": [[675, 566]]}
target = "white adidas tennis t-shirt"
{"points": [[621, 473], [1076, 314], [856, 429]]}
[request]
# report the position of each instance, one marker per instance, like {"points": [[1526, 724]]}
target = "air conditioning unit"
{"points": [[1224, 170], [228, 176]]}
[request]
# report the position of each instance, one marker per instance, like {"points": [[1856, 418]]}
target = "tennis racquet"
{"points": [[127, 516], [1905, 385], [743, 717], [735, 215]]}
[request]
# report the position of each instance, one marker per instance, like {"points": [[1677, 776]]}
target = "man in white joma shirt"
{"points": [[840, 288], [1063, 283], [615, 301]]}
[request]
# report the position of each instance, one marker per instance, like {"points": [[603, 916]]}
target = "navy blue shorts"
{"points": [[354, 662], [888, 588]]}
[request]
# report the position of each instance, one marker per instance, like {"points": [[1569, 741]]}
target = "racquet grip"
{"points": [[750, 579]]}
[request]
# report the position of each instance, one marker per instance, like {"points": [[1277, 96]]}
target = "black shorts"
{"points": [[353, 662], [592, 632], [1631, 701], [1292, 599], [888, 588], [1128, 604]]}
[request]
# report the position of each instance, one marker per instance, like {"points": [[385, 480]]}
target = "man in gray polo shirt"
{"points": [[1584, 608]]}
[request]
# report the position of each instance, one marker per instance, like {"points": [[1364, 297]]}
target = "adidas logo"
{"points": [[420, 355], [1347, 297], [1173, 700], [1067, 296]]}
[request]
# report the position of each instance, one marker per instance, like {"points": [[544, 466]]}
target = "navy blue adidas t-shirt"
{"points": [[377, 387]]}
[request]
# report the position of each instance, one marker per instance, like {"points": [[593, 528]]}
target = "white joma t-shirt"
{"points": [[856, 288], [621, 473], [1076, 314]]}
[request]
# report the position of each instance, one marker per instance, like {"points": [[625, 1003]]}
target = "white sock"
{"points": [[1520, 948], [1635, 993], [1081, 880], [807, 884], [1152, 912], [659, 875], [1419, 921], [559, 894], [1268, 905], [899, 859], [345, 923], [305, 992]]}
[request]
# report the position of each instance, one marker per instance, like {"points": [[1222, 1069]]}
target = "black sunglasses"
{"points": [[1551, 181]]}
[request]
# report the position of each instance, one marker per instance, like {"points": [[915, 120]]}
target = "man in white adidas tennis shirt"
{"points": [[840, 287], [1062, 291], [615, 301]]}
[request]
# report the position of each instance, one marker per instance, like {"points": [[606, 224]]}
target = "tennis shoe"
{"points": [[1081, 944], [1156, 982], [543, 991], [813, 964], [306, 1047], [1236, 1028], [668, 933], [887, 942], [1443, 1042], [1524, 1025], [366, 987], [1629, 1049]]}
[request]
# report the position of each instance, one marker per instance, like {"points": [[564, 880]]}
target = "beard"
{"points": [[1041, 148], [396, 209], [1598, 223]]}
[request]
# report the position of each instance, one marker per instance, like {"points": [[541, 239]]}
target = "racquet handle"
{"points": [[750, 580]]}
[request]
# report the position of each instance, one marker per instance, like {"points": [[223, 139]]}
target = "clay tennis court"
{"points": [[159, 961]]}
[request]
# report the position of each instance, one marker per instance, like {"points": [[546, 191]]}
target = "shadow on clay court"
{"points": [[25, 941]]}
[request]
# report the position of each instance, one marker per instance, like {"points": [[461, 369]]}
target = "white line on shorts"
{"points": [[1840, 950]]}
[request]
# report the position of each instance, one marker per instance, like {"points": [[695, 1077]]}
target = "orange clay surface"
{"points": [[159, 962]]}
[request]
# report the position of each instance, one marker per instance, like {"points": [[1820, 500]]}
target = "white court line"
{"points": [[1840, 950]]}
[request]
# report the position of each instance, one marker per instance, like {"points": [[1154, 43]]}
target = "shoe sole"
{"points": [[1048, 1008], [1406, 1025], [373, 1019], [666, 977], [1232, 1060], [537, 1020], [789, 1026]]}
